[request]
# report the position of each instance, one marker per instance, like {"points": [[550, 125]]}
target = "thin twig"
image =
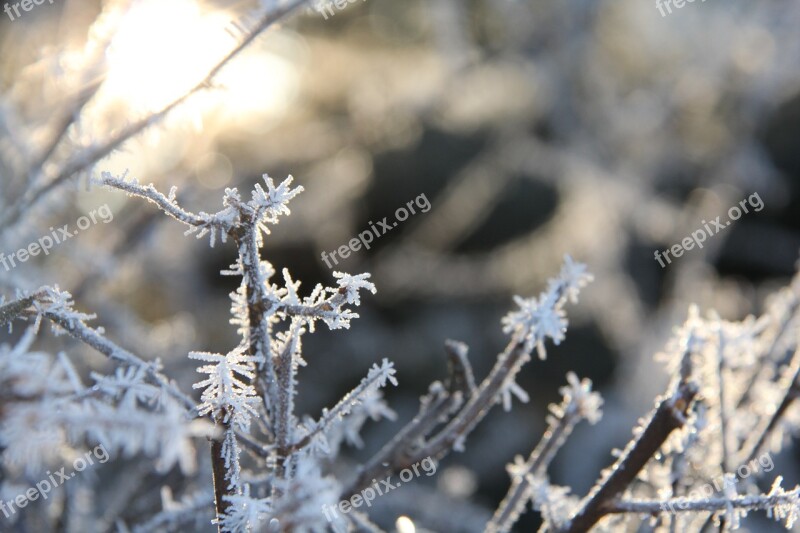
{"points": [[404, 451], [94, 339], [669, 415], [758, 502], [540, 458], [789, 383], [13, 310]]}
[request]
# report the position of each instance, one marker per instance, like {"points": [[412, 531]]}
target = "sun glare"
{"points": [[162, 49], [405, 525]]}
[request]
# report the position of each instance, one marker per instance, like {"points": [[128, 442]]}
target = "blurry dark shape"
{"points": [[645, 271], [758, 251], [401, 176], [781, 138], [524, 205]]}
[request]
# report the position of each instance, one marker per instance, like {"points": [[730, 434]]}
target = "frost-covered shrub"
{"points": [[235, 455], [712, 418]]}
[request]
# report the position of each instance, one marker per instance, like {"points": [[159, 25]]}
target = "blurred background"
{"points": [[595, 128]]}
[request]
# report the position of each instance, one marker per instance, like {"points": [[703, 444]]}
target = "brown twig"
{"points": [[669, 415], [13, 310], [410, 446], [219, 472], [790, 386]]}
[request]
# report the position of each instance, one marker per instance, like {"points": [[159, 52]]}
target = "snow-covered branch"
{"points": [[579, 403], [781, 506], [528, 328], [670, 414], [57, 306]]}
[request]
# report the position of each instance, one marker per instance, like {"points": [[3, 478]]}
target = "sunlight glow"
{"points": [[405, 525], [258, 88], [162, 50]]}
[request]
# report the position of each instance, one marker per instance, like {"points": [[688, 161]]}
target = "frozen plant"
{"points": [[732, 396], [711, 419]]}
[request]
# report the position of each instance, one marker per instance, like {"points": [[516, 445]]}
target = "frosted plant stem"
{"points": [[540, 458], [402, 453], [284, 410], [61, 128], [790, 384], [760, 367], [759, 502], [535, 321], [436, 406], [92, 338], [13, 310], [723, 411], [723, 418], [670, 414], [335, 414]]}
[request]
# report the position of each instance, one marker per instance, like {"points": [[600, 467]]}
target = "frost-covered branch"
{"points": [[48, 410], [203, 223], [436, 407], [670, 414], [579, 403], [376, 379], [783, 312], [265, 363], [791, 387], [18, 308], [536, 320], [57, 307], [780, 505]]}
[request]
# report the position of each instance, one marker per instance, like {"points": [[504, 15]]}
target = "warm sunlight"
{"points": [[161, 50], [405, 525], [258, 89], [573, 225]]}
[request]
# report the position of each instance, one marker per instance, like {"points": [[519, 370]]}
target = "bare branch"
{"points": [[13, 310], [669, 415], [789, 383], [53, 306], [579, 403]]}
